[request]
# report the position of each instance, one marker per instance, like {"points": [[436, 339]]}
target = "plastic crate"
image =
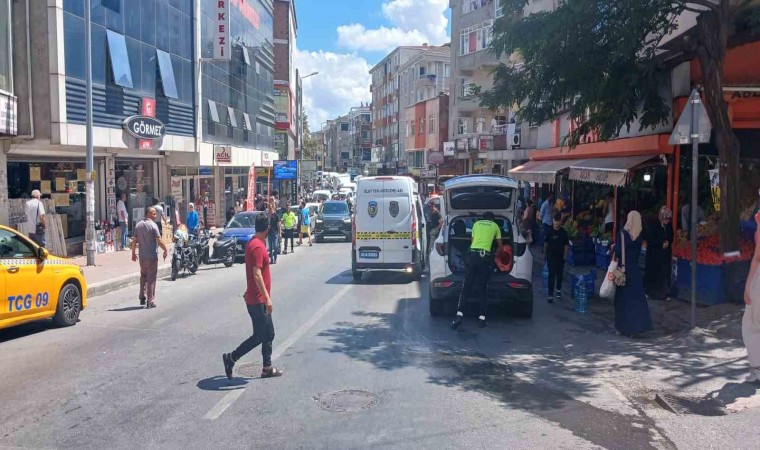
{"points": [[603, 261], [711, 286]]}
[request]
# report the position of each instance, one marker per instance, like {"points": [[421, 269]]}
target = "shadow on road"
{"points": [[566, 360], [221, 383], [372, 279], [128, 308], [28, 329]]}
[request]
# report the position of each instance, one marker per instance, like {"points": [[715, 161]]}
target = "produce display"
{"points": [[708, 250]]}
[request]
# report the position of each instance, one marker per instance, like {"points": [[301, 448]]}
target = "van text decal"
{"points": [[383, 191]]}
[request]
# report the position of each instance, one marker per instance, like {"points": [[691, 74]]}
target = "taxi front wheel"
{"points": [[69, 306]]}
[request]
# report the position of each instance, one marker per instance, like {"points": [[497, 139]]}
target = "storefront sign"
{"points": [[8, 115], [223, 155], [144, 127], [267, 159], [222, 30], [176, 189], [435, 158], [449, 149]]}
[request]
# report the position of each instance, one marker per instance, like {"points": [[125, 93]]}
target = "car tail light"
{"points": [[353, 232], [440, 248], [516, 285], [443, 284]]}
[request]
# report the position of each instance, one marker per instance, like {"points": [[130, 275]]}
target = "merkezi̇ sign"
{"points": [[144, 127]]}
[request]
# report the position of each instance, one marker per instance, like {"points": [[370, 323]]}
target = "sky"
{"points": [[344, 39]]}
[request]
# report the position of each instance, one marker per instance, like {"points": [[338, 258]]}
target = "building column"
{"points": [[4, 219]]}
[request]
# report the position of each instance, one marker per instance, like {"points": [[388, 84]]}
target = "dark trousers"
{"points": [[545, 230], [263, 333], [477, 273], [273, 244], [289, 234], [556, 268]]}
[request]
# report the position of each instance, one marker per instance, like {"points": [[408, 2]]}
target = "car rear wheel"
{"points": [[355, 273], [69, 306], [436, 306]]}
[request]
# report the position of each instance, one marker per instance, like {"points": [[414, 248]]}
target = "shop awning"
{"points": [[609, 171], [543, 172]]}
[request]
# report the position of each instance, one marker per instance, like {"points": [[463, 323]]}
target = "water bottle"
{"points": [[545, 276], [581, 296]]}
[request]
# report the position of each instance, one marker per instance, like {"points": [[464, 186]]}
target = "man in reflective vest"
{"points": [[479, 265]]}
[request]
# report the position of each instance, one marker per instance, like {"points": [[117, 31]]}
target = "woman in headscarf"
{"points": [[631, 309], [659, 254], [751, 319]]}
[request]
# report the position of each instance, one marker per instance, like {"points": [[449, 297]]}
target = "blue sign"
{"points": [[204, 170], [286, 170]]}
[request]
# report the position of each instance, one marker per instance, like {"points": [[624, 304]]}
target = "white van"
{"points": [[389, 227]]}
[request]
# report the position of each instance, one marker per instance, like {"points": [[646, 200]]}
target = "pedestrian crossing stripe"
{"points": [[374, 235]]}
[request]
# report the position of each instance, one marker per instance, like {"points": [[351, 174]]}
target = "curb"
{"points": [[103, 287]]}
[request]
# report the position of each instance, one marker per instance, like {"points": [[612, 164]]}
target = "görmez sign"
{"points": [[144, 127]]}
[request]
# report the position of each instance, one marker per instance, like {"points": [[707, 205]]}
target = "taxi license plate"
{"points": [[369, 255]]}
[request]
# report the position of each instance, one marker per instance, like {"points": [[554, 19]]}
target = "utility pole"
{"points": [[90, 242]]}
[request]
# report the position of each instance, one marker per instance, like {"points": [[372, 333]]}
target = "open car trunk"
{"points": [[460, 237]]}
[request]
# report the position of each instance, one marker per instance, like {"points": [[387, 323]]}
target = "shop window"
{"points": [[168, 81], [73, 40], [117, 49], [135, 178]]}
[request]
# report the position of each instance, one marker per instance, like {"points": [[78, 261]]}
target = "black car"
{"points": [[334, 219]]}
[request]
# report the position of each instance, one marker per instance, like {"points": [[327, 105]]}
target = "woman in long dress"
{"points": [[631, 309], [751, 320]]}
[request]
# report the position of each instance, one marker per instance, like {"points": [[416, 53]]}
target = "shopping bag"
{"points": [[608, 288]]}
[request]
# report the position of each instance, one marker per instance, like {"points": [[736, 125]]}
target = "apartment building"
{"points": [[426, 130], [387, 111], [337, 144], [285, 79], [360, 123], [422, 79], [480, 135]]}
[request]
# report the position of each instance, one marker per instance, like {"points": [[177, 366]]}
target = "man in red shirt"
{"points": [[258, 301]]}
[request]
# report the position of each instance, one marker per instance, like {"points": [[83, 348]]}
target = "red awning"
{"points": [[609, 171]]}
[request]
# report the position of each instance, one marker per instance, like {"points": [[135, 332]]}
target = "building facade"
{"points": [[480, 135], [8, 111], [360, 125], [203, 137], [237, 116], [426, 130], [387, 112], [285, 85], [424, 77]]}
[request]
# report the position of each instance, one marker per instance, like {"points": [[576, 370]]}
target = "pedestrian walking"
{"points": [[35, 218], [555, 248], [147, 238], [528, 220], [258, 301], [121, 212], [751, 319], [305, 224], [289, 225], [547, 215], [192, 220], [631, 309], [659, 255], [479, 265], [435, 224], [159, 215], [275, 234]]}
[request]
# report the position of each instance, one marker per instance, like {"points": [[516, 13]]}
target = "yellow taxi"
{"points": [[35, 285]]}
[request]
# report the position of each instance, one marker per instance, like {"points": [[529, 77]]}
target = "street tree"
{"points": [[602, 62], [310, 145]]}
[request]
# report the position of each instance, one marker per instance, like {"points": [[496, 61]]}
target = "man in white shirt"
{"points": [[121, 212], [35, 218], [159, 215]]}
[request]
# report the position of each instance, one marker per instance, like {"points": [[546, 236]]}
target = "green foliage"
{"points": [[596, 59]]}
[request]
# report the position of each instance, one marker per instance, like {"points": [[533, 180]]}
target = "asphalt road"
{"points": [[125, 377]]}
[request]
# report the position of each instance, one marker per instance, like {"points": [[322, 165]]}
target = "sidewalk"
{"points": [[672, 317], [115, 270]]}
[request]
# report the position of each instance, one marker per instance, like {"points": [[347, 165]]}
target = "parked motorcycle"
{"points": [[184, 257], [222, 252]]}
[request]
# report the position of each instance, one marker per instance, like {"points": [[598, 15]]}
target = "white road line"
{"points": [[231, 396], [223, 404]]}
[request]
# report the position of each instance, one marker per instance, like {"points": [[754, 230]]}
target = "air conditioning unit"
{"points": [[513, 136]]}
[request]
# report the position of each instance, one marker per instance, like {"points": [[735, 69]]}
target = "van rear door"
{"points": [[369, 220], [398, 210]]}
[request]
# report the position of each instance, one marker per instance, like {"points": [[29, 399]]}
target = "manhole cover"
{"points": [[682, 405], [347, 401], [248, 370]]}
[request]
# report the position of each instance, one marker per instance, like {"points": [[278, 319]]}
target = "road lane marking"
{"points": [[232, 396], [223, 404]]}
